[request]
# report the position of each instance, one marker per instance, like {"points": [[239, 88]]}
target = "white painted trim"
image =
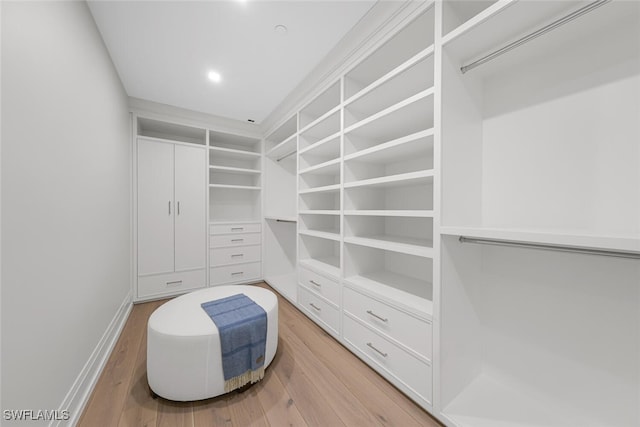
{"points": [[169, 113], [81, 390]]}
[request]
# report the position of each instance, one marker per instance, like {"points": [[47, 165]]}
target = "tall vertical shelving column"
{"points": [[389, 208], [280, 197], [319, 189], [235, 206], [540, 204]]}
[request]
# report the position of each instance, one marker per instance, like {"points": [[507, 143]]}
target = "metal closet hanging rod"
{"points": [[286, 155], [557, 248], [552, 26]]}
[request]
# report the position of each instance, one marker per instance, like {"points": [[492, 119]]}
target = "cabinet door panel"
{"points": [[155, 208], [190, 197]]}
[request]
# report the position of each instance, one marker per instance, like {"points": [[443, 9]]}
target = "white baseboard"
{"points": [[78, 395]]}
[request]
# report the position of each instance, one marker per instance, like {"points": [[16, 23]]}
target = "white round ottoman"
{"points": [[183, 345]]}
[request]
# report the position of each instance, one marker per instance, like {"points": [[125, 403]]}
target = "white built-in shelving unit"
{"points": [[280, 256], [235, 178], [540, 161]]}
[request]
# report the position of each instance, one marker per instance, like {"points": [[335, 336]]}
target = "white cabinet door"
{"points": [[190, 197], [155, 208]]}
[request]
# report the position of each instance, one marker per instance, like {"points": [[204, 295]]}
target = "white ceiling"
{"points": [[164, 49]]}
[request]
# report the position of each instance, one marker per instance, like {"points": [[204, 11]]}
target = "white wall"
{"points": [[65, 199]]}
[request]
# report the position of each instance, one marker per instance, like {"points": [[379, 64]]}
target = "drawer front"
{"points": [[381, 353], [319, 309], [235, 273], [239, 255], [234, 228], [227, 240], [320, 285], [404, 328], [165, 284]]}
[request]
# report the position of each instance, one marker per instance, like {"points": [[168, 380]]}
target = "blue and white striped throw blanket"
{"points": [[242, 325]]}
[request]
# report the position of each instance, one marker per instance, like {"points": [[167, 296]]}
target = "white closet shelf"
{"points": [[320, 119], [229, 169], [327, 265], [391, 74], [234, 153], [284, 147], [476, 20], [626, 243], [225, 222], [413, 110], [401, 148], [178, 140], [323, 147], [405, 292], [235, 187], [326, 188], [281, 218], [403, 213], [515, 19], [409, 178], [405, 245], [329, 235], [319, 212], [491, 402], [332, 167]]}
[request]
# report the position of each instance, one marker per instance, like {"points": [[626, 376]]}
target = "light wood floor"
{"points": [[312, 381]]}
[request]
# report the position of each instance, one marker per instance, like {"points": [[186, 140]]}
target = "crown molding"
{"points": [[170, 113]]}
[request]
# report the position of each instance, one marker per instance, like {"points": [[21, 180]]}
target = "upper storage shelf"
{"points": [[543, 139], [383, 64], [282, 141], [320, 106], [171, 131]]}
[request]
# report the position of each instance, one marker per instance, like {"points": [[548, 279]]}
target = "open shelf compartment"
{"points": [[538, 338], [404, 279], [408, 42]]}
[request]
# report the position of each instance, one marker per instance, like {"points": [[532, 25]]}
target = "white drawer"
{"points": [[170, 283], [234, 273], [320, 285], [239, 255], [404, 328], [383, 354], [319, 310], [234, 228], [227, 240]]}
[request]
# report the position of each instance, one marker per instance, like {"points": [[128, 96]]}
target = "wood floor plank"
{"points": [[313, 405], [212, 412], [343, 402], [140, 409], [312, 381], [279, 407], [174, 414], [246, 410], [107, 400]]}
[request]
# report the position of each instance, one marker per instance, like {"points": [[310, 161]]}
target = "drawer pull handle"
{"points": [[381, 353], [237, 228], [175, 283], [384, 319], [237, 240], [315, 306], [236, 255], [237, 273], [315, 283]]}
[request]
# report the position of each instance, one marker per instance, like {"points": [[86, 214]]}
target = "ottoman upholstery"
{"points": [[183, 345]]}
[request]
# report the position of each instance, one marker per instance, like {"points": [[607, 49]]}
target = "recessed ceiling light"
{"points": [[280, 29], [214, 76]]}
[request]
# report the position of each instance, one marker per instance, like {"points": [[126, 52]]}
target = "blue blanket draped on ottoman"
{"points": [[242, 325]]}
